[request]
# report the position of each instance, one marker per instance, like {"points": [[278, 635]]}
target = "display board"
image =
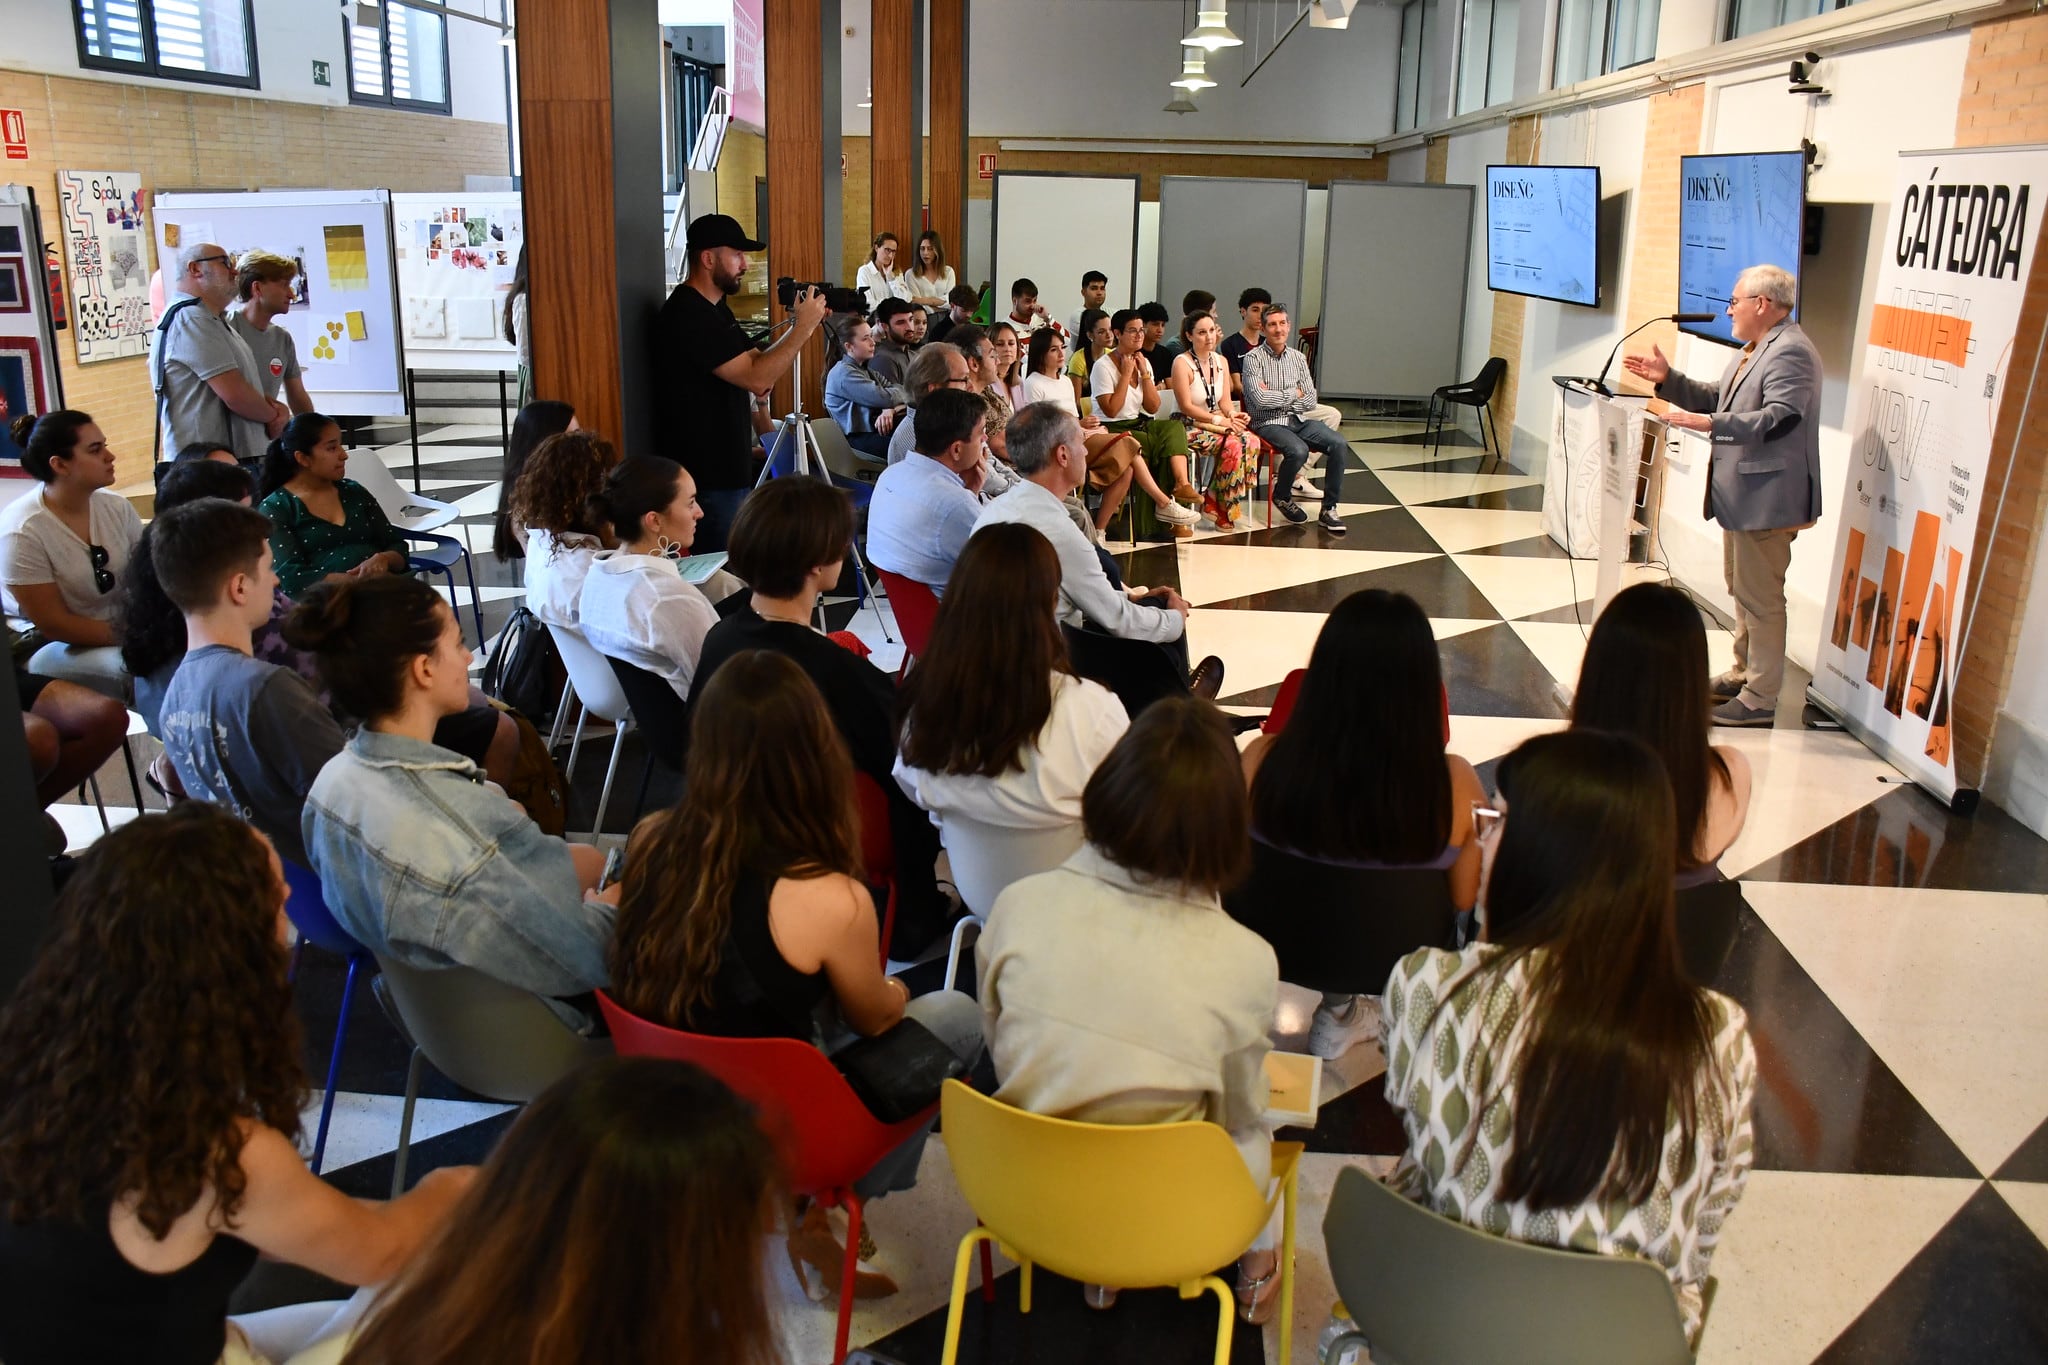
{"points": [[1393, 322], [1735, 211], [1053, 228], [29, 379], [456, 255], [344, 311], [1543, 232], [105, 231], [1228, 234]]}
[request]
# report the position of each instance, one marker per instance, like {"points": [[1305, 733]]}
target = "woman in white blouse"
{"points": [[879, 277], [1217, 426], [998, 732], [1009, 362], [1113, 457], [929, 279], [635, 604], [552, 501]]}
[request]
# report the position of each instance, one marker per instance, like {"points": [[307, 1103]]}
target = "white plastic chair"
{"points": [[416, 516], [987, 858], [597, 687]]}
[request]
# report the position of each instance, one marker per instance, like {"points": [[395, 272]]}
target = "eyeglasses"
{"points": [[225, 260], [962, 382], [102, 576]]}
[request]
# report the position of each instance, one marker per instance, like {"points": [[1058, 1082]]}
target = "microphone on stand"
{"points": [[1599, 383]]}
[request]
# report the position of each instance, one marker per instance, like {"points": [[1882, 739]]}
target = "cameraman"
{"points": [[708, 371]]}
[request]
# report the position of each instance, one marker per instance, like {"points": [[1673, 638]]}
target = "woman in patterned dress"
{"points": [[1218, 429]]}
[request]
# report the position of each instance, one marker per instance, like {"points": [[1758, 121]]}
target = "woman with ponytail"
{"points": [[324, 525], [635, 605]]}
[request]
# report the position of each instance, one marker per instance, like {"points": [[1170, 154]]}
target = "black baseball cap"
{"points": [[719, 229]]}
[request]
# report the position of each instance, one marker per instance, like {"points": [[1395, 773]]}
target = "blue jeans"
{"points": [[1294, 437], [720, 506]]}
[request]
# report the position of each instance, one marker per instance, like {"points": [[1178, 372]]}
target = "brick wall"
{"points": [[1671, 131], [1437, 160], [2005, 102], [1508, 309], [189, 140]]}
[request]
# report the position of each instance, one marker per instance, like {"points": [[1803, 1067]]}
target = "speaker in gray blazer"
{"points": [[1765, 472]]}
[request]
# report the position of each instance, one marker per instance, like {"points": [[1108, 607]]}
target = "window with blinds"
{"points": [[195, 40], [399, 59]]}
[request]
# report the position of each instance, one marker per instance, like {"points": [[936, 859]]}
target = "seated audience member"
{"points": [[896, 345], [865, 405], [878, 279], [919, 321], [1371, 707], [1009, 358], [984, 381], [929, 280], [1602, 1102], [1215, 425], [199, 450], [961, 304], [150, 1120], [323, 524], [797, 533], [552, 501], [1193, 302], [1251, 307], [63, 546], [417, 858], [1113, 457], [1157, 320], [248, 736], [996, 727], [924, 507], [151, 628], [1645, 674], [1115, 989], [649, 1175], [1120, 383], [743, 913], [635, 604], [536, 422], [71, 732], [940, 365], [1094, 338], [1280, 395], [1094, 297], [1027, 315]]}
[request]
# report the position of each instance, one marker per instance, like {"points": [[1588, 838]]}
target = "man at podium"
{"points": [[1763, 481]]}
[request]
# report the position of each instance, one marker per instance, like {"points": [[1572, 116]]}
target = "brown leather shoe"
{"points": [[1207, 679]]}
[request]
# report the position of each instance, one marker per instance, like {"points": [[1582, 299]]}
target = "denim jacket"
{"points": [[422, 859]]}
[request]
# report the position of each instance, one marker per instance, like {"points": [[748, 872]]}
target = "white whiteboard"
{"points": [[344, 314], [1228, 234], [451, 295], [1393, 320], [1053, 228]]}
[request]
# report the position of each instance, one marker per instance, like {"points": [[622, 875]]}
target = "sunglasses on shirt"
{"points": [[102, 576]]}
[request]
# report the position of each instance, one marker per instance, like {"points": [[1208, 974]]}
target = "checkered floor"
{"points": [[1890, 961]]}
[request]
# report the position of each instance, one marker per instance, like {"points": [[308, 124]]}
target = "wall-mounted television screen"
{"points": [[1735, 211], [1543, 232]]}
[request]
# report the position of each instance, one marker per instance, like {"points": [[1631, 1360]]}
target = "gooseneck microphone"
{"points": [[1599, 383]]}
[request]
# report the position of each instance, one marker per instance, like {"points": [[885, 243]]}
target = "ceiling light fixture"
{"points": [[1211, 31], [1193, 74], [1183, 102]]}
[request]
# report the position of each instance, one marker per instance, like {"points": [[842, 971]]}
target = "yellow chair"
{"points": [[1136, 1206]]}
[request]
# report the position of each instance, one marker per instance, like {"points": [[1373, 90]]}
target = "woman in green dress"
{"points": [[322, 525]]}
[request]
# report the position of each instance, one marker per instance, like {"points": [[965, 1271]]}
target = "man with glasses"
{"points": [[937, 365], [1763, 484], [204, 375]]}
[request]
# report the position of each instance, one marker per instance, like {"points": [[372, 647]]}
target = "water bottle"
{"points": [[1340, 1325]]}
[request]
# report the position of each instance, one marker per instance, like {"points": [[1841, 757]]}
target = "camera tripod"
{"points": [[807, 460]]}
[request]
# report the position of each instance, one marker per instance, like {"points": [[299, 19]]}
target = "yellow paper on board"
{"points": [[348, 258], [358, 330]]}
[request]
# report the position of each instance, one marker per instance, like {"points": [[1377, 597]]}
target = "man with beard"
{"points": [[709, 370]]}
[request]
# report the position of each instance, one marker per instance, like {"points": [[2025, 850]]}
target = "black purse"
{"points": [[898, 1074]]}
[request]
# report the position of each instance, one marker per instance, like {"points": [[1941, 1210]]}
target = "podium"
{"points": [[1604, 482]]}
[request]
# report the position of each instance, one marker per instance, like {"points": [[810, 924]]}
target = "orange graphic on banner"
{"points": [[1912, 600], [1845, 596], [1936, 336], [1938, 736], [1887, 608]]}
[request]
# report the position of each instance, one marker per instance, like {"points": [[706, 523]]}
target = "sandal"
{"points": [[1251, 1307], [813, 1248]]}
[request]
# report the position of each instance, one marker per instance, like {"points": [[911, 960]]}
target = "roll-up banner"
{"points": [[1939, 356]]}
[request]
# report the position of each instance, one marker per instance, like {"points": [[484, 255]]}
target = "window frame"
{"points": [[446, 105], [1730, 27], [152, 64], [1607, 13]]}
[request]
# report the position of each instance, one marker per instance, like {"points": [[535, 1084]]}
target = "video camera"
{"points": [[786, 289]]}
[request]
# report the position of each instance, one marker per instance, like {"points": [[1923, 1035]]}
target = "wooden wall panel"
{"points": [[572, 259], [796, 170], [897, 50], [948, 159]]}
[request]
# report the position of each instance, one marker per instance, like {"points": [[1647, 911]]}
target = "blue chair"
{"points": [[308, 912], [418, 519], [441, 558]]}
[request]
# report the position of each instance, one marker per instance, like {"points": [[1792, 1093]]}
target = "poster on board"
{"points": [[457, 255], [106, 242], [1959, 250]]}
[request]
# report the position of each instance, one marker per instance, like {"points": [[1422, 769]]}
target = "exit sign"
{"points": [[987, 162], [320, 76]]}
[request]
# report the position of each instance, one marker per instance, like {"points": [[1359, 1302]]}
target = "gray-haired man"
{"points": [[1280, 395]]}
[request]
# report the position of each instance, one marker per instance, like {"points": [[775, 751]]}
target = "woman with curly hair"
{"points": [[552, 501], [538, 420], [149, 1125]]}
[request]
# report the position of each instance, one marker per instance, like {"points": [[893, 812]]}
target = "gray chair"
{"points": [[488, 1037], [1428, 1291]]}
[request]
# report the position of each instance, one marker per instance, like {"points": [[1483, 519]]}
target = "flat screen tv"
{"points": [[1735, 211], [1543, 232]]}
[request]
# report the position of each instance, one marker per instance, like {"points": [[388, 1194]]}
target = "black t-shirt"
{"points": [[702, 422], [1234, 349], [1161, 361]]}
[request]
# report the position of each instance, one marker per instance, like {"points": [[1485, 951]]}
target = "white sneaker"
{"points": [[1334, 1032], [1304, 488], [1173, 514]]}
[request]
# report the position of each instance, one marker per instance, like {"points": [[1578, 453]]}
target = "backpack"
{"points": [[536, 783], [525, 669]]}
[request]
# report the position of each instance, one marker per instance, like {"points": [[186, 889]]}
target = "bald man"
{"points": [[203, 373]]}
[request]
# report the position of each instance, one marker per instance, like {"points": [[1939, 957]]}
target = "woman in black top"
{"points": [[150, 1119], [788, 544]]}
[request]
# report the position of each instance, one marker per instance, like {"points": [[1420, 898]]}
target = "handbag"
{"points": [[898, 1074], [525, 669]]}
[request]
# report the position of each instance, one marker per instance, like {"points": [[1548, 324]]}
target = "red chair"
{"points": [[915, 607], [1290, 690], [877, 848], [824, 1135]]}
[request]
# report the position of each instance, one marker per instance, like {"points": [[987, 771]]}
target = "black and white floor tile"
{"points": [[1889, 960]]}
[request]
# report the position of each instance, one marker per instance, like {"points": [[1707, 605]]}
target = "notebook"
{"points": [[698, 568], [1296, 1082]]}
